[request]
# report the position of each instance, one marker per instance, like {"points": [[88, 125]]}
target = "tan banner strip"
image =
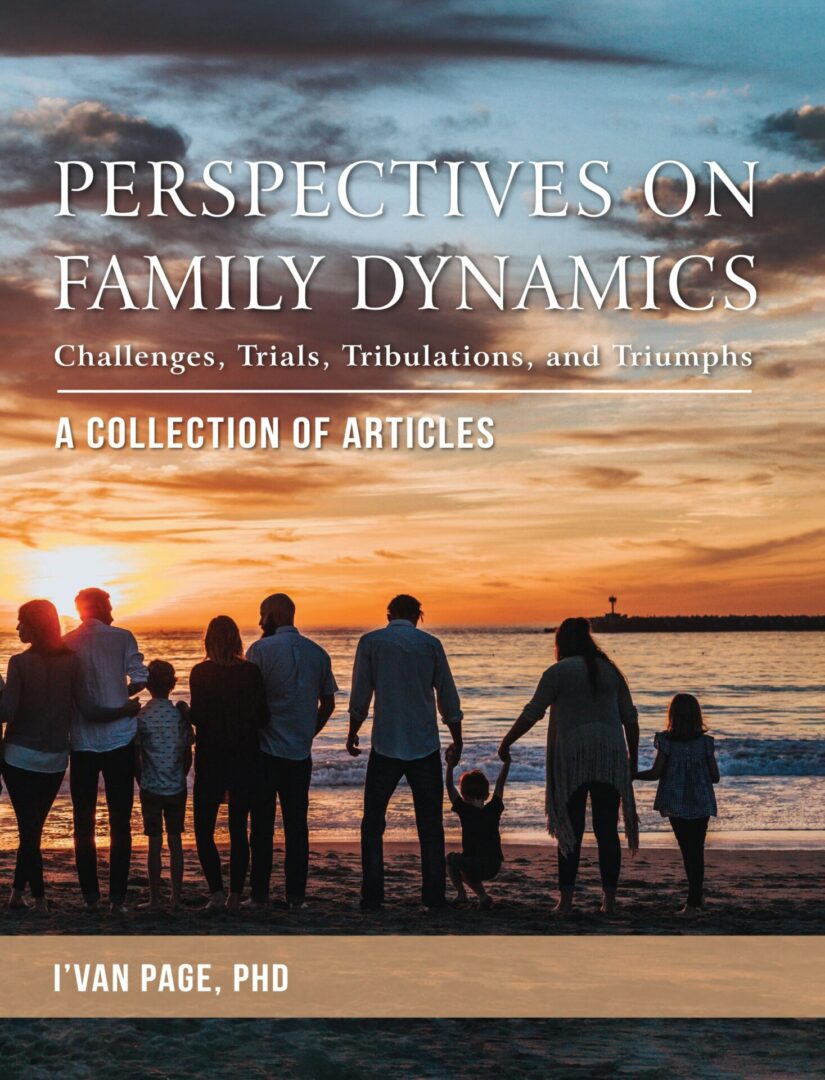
{"points": [[384, 976]]}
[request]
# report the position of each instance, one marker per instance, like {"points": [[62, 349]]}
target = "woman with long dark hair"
{"points": [[36, 707], [592, 749], [228, 709]]}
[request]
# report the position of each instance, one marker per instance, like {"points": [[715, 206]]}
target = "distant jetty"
{"points": [[613, 622]]}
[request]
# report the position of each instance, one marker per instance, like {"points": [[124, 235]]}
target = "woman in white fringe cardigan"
{"points": [[592, 749]]}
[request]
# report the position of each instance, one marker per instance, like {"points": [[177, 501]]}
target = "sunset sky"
{"points": [[678, 504]]}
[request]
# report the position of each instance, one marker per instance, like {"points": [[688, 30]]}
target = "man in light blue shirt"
{"points": [[300, 691], [407, 673], [113, 673]]}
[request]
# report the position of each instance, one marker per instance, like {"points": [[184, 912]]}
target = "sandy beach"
{"points": [[749, 891], [423, 1049]]}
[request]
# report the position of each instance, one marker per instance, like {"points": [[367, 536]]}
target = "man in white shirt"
{"points": [[113, 673], [408, 674], [300, 691]]}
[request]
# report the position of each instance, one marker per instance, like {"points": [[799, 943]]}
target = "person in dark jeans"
{"points": [[113, 674], [604, 803], [117, 767], [300, 694], [426, 784], [407, 673], [228, 710], [286, 782]]}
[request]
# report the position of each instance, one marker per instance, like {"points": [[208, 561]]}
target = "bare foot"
{"points": [[118, 909], [252, 904], [233, 903], [485, 903], [41, 906], [689, 911], [17, 902], [149, 905], [565, 904], [608, 905]]}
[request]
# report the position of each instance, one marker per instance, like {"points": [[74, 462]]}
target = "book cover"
{"points": [[411, 622]]}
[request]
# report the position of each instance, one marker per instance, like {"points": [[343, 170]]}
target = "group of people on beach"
{"points": [[72, 701]]}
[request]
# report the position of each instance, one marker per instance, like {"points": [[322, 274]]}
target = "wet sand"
{"points": [[748, 892], [420, 1049]]}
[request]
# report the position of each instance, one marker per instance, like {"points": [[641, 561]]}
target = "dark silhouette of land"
{"points": [[698, 624], [613, 622]]}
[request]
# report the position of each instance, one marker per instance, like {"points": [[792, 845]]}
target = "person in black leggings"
{"points": [[45, 690], [690, 835], [36, 706], [228, 708], [604, 802], [686, 768], [592, 749], [32, 795]]}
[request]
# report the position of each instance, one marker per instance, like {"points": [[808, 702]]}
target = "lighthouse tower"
{"points": [[612, 600]]}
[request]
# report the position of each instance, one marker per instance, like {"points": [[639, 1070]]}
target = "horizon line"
{"points": [[382, 391], [543, 625]]}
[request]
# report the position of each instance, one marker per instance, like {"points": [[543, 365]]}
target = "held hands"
{"points": [[132, 707], [352, 745], [452, 755], [504, 750]]}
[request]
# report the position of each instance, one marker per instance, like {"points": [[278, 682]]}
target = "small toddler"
{"points": [[480, 858]]}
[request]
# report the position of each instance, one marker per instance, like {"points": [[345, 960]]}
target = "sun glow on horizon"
{"points": [[59, 573]]}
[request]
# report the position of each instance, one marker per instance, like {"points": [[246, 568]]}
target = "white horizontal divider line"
{"points": [[369, 392]]}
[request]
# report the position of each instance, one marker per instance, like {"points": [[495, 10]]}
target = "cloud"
{"points": [[327, 80], [18, 534], [605, 477], [283, 536], [293, 135], [786, 235], [789, 436], [690, 554], [56, 130], [313, 30], [251, 489], [248, 563], [32, 376], [780, 370], [799, 130], [33, 140], [477, 117]]}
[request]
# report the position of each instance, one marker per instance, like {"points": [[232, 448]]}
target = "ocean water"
{"points": [[762, 693]]}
